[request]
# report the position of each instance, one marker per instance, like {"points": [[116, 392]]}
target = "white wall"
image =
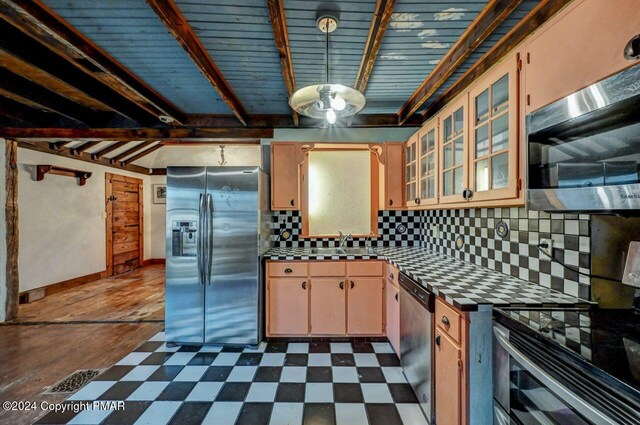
{"points": [[3, 233], [158, 214], [62, 229]]}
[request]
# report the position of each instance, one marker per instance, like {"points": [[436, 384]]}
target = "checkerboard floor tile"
{"points": [[279, 383]]}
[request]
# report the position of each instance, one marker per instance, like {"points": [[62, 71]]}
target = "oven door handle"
{"points": [[588, 411]]}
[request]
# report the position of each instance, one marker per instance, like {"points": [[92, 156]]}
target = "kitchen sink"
{"points": [[343, 251]]}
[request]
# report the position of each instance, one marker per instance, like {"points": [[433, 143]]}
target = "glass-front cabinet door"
{"points": [[453, 151], [427, 164], [493, 167], [411, 179]]}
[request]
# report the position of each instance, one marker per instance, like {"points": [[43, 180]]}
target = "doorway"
{"points": [[124, 229]]}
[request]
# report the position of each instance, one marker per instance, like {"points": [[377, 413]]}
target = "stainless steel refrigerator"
{"points": [[217, 228]]}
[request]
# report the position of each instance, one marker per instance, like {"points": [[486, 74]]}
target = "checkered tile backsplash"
{"points": [[396, 228], [516, 254]]}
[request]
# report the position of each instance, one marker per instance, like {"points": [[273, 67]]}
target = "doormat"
{"points": [[74, 382]]}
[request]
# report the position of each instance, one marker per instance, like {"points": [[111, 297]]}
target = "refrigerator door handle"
{"points": [[209, 245], [200, 241]]}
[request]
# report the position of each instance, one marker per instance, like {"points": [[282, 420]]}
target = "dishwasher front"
{"points": [[416, 348]]}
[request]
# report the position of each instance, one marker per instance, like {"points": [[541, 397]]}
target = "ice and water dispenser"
{"points": [[184, 237]]}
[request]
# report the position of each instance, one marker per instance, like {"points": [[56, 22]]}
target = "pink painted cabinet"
{"points": [[365, 306], [393, 317], [287, 306], [328, 306]]}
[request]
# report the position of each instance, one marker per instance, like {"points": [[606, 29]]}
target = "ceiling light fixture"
{"points": [[327, 101]]}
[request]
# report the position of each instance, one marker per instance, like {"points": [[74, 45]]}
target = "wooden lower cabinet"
{"points": [[448, 380], [287, 306], [328, 306], [393, 316], [451, 335], [324, 303], [365, 306]]}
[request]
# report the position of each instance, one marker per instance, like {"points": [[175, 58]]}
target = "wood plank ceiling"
{"points": [[159, 70]]}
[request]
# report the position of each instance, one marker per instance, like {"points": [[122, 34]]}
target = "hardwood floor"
{"points": [[76, 329], [137, 295]]}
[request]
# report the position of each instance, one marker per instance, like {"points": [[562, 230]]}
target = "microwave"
{"points": [[584, 150]]}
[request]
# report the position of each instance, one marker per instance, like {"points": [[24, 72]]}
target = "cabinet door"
{"points": [[565, 55], [453, 151], [365, 306], [427, 164], [328, 307], [410, 175], [393, 317], [394, 176], [284, 176], [288, 308], [448, 377], [493, 153]]}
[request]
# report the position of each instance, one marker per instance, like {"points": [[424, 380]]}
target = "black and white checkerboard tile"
{"points": [[279, 383], [517, 254], [466, 285], [396, 228]]}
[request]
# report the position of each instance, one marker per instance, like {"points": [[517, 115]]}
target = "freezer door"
{"points": [[184, 305], [232, 299]]}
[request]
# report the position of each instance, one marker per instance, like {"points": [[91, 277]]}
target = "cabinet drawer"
{"points": [[392, 275], [327, 268], [365, 268], [287, 269], [448, 320]]}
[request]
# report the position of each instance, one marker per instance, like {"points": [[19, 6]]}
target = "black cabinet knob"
{"points": [[417, 201], [390, 202], [288, 271], [293, 202], [304, 285], [467, 194], [396, 296], [352, 284], [438, 340], [445, 321]]}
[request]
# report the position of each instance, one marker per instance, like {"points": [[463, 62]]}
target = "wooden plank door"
{"points": [[123, 199]]}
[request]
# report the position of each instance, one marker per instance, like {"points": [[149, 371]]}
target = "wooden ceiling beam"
{"points": [[286, 121], [86, 157], [177, 24], [112, 147], [381, 17], [38, 95], [143, 154], [58, 145], [281, 37], [85, 146], [538, 16], [482, 26], [133, 134], [15, 43], [38, 21], [122, 156], [27, 114]]}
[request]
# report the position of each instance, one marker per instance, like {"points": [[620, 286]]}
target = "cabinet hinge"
{"points": [[460, 365], [528, 57], [519, 185], [519, 62]]}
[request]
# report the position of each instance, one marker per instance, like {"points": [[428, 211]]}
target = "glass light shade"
{"points": [[308, 101]]}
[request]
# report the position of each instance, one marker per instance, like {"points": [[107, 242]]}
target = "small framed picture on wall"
{"points": [[159, 193]]}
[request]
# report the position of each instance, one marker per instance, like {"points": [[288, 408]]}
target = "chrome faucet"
{"points": [[343, 238], [367, 242]]}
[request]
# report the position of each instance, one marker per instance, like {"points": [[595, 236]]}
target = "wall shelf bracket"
{"points": [[82, 176]]}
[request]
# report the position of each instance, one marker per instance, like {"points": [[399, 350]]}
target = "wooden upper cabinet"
{"points": [[365, 306], [580, 46], [288, 306], [493, 134], [411, 171], [454, 142], [328, 306], [394, 176], [284, 176], [428, 164]]}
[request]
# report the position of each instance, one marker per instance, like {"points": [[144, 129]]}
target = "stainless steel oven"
{"points": [[416, 349], [533, 387], [584, 150]]}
